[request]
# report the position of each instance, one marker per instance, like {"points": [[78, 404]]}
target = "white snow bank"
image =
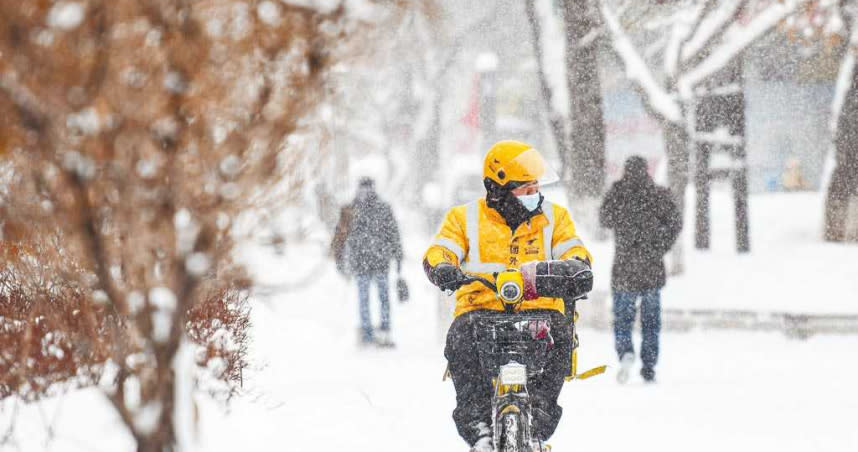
{"points": [[789, 269]]}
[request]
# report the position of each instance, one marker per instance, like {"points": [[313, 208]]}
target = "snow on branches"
{"points": [[132, 134], [702, 37]]}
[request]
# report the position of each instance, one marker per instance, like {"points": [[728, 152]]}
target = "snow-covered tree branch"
{"points": [[136, 136], [655, 95], [701, 39], [735, 41]]}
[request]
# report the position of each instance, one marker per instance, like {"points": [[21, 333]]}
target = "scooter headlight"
{"points": [[513, 374], [510, 292]]}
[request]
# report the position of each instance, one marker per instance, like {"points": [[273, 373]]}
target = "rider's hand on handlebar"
{"points": [[569, 278], [448, 277]]}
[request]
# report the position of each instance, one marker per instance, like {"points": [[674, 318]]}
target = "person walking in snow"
{"points": [[514, 226], [646, 223], [365, 241]]}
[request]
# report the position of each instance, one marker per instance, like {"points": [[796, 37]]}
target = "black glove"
{"points": [[568, 279], [447, 277]]}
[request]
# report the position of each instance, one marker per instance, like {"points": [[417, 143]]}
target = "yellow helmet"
{"points": [[510, 160]]}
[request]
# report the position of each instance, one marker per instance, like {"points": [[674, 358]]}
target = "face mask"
{"points": [[530, 202]]}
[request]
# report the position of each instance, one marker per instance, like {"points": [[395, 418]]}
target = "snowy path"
{"points": [[717, 390], [311, 389]]}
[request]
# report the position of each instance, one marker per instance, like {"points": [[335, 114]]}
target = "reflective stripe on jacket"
{"points": [[478, 239]]}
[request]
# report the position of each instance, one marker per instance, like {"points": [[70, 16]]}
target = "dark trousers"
{"points": [[363, 282], [624, 319], [473, 413]]}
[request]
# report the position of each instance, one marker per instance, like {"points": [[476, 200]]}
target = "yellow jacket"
{"points": [[476, 237]]}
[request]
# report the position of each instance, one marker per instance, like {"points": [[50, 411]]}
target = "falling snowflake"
{"points": [[65, 15]]}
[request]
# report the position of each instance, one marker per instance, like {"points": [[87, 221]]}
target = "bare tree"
{"points": [[697, 40], [445, 40], [587, 154], [826, 27], [843, 186], [136, 134], [581, 144], [556, 120]]}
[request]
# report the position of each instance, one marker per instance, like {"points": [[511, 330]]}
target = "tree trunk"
{"points": [[555, 119], [587, 158], [428, 156], [163, 439], [844, 179], [676, 142], [152, 423]]}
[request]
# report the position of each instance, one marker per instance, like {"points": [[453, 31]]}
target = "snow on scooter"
{"points": [[513, 345]]}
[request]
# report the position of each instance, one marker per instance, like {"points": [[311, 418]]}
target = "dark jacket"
{"points": [[367, 236], [646, 223]]}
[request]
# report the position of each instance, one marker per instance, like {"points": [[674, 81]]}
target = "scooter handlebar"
{"points": [[471, 278]]}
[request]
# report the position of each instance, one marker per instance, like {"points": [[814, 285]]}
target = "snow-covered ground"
{"points": [[310, 388], [789, 269]]}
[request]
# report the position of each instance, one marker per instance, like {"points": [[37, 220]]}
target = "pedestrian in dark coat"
{"points": [[646, 223], [366, 240]]}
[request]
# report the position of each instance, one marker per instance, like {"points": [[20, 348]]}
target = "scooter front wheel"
{"points": [[511, 438]]}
